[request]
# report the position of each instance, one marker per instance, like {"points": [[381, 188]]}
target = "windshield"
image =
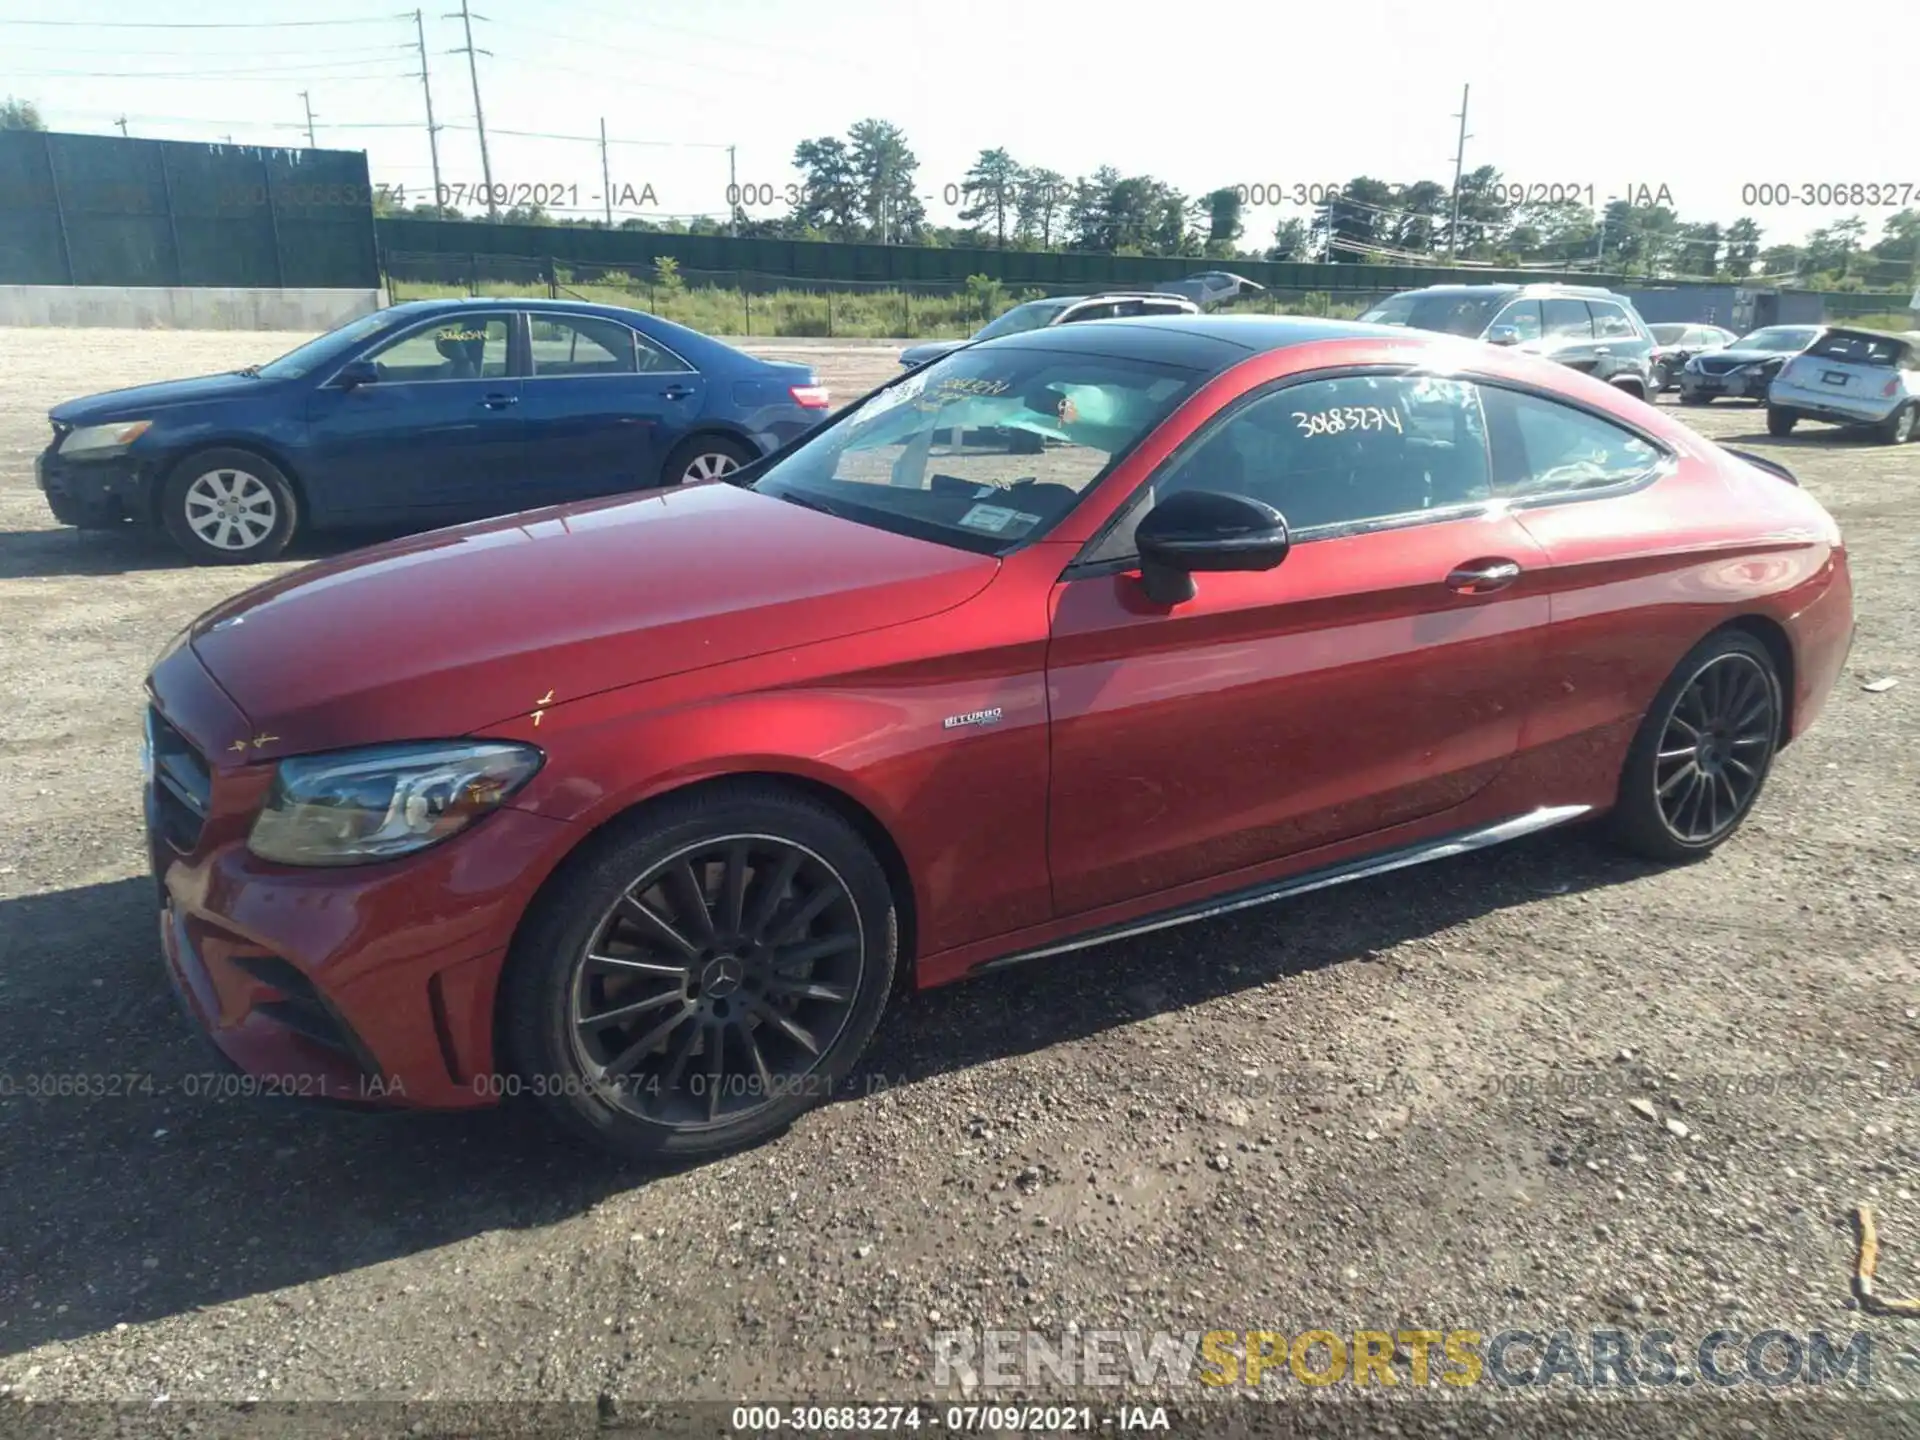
{"points": [[1669, 334], [1880, 351], [983, 449], [1465, 315], [1032, 316], [1778, 337], [319, 351]]}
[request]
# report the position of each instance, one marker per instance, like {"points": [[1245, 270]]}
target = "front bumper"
{"points": [[1733, 386], [372, 985], [93, 493], [1825, 404]]}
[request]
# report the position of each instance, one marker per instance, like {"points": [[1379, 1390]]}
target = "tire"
{"points": [[1903, 425], [259, 528], [1781, 422], [1630, 387], [1726, 690], [1662, 379], [584, 954], [705, 457]]}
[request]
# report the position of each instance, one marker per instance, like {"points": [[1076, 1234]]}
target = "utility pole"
{"points": [[306, 100], [733, 195], [1459, 164], [433, 130], [606, 179], [479, 120], [122, 123]]}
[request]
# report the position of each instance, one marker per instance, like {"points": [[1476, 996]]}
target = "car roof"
{"points": [[1200, 342], [1535, 288]]}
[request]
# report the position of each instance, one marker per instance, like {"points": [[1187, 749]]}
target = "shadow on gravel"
{"points": [[1066, 997], [135, 548], [146, 1196], [139, 1200]]}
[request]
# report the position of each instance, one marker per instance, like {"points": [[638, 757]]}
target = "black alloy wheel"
{"points": [[1703, 752], [718, 980], [700, 972]]}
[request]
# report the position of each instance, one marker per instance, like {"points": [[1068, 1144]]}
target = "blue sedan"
{"points": [[422, 414]]}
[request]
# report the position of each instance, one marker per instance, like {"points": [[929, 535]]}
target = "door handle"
{"points": [[677, 392], [500, 402], [1603, 349], [1483, 577]]}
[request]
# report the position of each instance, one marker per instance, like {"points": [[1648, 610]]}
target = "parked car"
{"points": [[1674, 345], [417, 415], [1861, 378], [1211, 287], [1059, 310], [644, 805], [1745, 368], [1584, 328]]}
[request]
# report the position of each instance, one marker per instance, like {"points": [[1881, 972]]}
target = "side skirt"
{"points": [[1321, 879]]}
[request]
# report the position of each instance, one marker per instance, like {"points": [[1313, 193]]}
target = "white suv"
{"points": [[1866, 378]]}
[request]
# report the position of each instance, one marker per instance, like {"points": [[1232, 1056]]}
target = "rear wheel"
{"points": [[704, 976], [228, 507], [1702, 754], [1902, 425], [1781, 422], [704, 457]]}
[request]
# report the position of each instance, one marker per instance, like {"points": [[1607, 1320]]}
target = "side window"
{"points": [[1610, 322], [1568, 317], [1524, 316], [1546, 448], [1105, 311], [460, 348], [1333, 453], [580, 345]]}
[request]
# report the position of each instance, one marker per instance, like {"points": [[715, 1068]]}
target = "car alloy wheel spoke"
{"points": [[1713, 749], [717, 980], [230, 509], [710, 467]]}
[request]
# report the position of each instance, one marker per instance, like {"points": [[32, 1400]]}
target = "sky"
{"points": [[1229, 93]]}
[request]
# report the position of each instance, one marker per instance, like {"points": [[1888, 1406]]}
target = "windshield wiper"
{"points": [[248, 370], [809, 502]]}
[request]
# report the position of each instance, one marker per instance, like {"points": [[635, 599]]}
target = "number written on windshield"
{"points": [[1342, 418]]}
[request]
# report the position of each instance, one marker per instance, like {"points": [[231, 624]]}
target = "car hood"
{"points": [[1746, 357], [449, 632], [122, 404], [929, 350]]}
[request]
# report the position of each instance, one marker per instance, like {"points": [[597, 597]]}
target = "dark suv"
{"points": [[1582, 327]]}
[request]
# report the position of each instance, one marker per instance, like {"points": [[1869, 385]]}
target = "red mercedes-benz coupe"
{"points": [[643, 806]]}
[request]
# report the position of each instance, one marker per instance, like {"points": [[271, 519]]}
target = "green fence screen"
{"points": [[103, 210]]}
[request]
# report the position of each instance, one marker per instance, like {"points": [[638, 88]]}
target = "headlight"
{"points": [[358, 806], [104, 439]]}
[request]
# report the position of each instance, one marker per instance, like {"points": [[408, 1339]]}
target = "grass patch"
{"points": [[864, 314]]}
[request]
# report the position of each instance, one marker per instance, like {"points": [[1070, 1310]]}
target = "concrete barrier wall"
{"points": [[129, 308]]}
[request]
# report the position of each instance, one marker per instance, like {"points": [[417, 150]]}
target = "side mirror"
{"points": [[1503, 335], [356, 373], [1199, 530]]}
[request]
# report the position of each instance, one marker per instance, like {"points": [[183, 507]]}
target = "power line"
{"points": [[203, 24]]}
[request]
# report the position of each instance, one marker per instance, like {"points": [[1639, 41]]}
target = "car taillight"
{"points": [[1891, 388], [1792, 365], [812, 397]]}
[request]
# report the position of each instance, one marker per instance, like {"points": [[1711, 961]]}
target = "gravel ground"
{"points": [[1539, 1086]]}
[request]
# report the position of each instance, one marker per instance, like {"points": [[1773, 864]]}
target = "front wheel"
{"points": [[1902, 424], [703, 976], [704, 457], [228, 507], [1702, 753], [1781, 422]]}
